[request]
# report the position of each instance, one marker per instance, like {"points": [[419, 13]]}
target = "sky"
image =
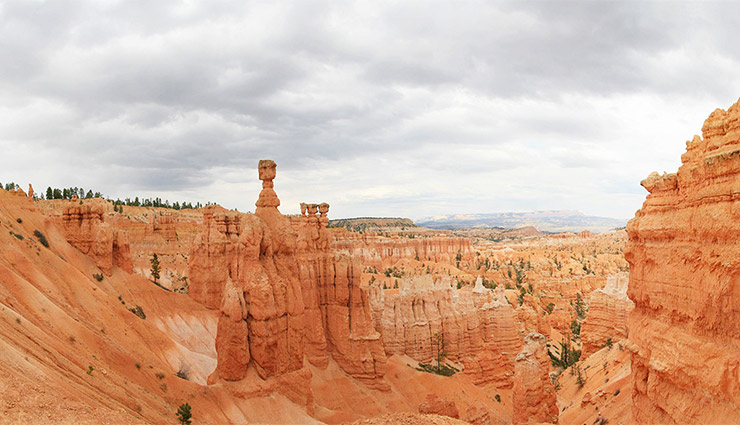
{"points": [[380, 108]]}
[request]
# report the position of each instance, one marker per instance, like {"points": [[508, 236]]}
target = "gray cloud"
{"points": [[388, 107]]}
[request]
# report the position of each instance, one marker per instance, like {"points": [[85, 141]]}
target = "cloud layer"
{"points": [[380, 108]]}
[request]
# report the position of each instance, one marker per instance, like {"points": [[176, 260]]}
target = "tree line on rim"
{"points": [[68, 193]]}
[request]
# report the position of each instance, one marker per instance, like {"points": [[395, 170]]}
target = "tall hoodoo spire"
{"points": [[268, 198]]}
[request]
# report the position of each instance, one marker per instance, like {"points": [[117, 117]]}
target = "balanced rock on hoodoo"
{"points": [[283, 294], [684, 260]]}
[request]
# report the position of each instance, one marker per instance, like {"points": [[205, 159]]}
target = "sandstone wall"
{"points": [[477, 326], [380, 251], [685, 282], [608, 309]]}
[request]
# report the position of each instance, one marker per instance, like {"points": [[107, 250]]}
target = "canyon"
{"points": [[271, 318]]}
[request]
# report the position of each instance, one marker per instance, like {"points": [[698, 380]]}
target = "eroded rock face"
{"points": [[535, 400], [684, 261], [85, 229], [439, 406], [283, 295], [379, 251], [608, 309], [476, 325]]}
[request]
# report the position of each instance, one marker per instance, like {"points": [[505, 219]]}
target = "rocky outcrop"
{"points": [[476, 326], [684, 262], [85, 229], [535, 400], [283, 295], [439, 406], [608, 309]]}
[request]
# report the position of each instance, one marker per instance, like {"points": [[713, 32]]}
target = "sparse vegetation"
{"points": [[568, 355], [580, 375], [40, 236], [155, 268], [575, 328], [159, 375], [184, 415], [439, 352], [183, 372], [139, 312], [580, 307]]}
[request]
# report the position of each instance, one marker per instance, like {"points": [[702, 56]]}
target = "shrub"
{"points": [[443, 370], [41, 238], [498, 398], [183, 373], [183, 414], [19, 220], [139, 312], [20, 237], [138, 366], [580, 378], [575, 327], [159, 375], [609, 343], [90, 370], [98, 277]]}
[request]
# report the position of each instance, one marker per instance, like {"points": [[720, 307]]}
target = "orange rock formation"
{"points": [[283, 295], [684, 261], [534, 395], [86, 230], [608, 309], [476, 326]]}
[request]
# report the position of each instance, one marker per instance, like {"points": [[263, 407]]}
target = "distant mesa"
{"points": [[547, 221], [362, 224]]}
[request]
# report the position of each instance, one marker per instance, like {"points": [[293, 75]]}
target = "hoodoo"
{"points": [[282, 294], [684, 267]]}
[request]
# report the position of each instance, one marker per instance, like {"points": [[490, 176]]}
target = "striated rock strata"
{"points": [[684, 268], [283, 294], [476, 325], [608, 309], [535, 400]]}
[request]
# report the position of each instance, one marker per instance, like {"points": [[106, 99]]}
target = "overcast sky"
{"points": [[380, 108]]}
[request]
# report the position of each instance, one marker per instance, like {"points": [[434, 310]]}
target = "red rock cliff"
{"points": [[282, 293], [684, 279]]}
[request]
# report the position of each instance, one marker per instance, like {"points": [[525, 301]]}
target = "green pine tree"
{"points": [[183, 414], [155, 268]]}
